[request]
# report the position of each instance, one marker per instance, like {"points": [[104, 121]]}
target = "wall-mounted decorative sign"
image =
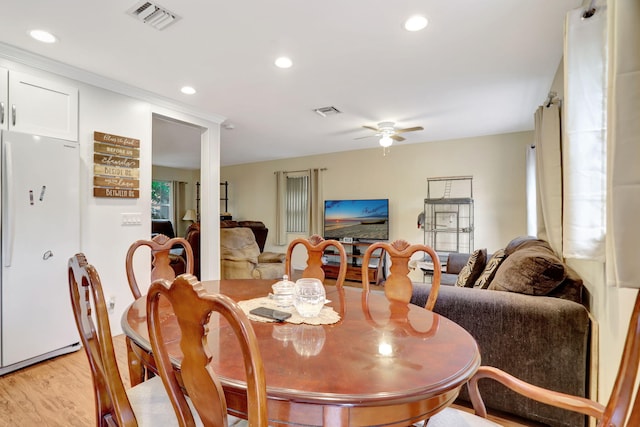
{"points": [[116, 166]]}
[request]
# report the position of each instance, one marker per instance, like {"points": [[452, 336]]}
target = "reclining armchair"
{"points": [[240, 256]]}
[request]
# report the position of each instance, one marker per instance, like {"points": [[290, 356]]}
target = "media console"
{"points": [[355, 254]]}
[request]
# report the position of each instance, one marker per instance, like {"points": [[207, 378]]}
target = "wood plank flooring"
{"points": [[59, 393]]}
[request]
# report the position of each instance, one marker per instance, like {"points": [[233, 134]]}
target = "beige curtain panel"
{"points": [[316, 202], [549, 175], [623, 268], [281, 208]]}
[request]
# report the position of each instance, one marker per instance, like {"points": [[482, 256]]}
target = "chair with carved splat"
{"points": [[398, 285], [315, 247], [193, 308], [141, 364], [618, 411], [144, 404]]}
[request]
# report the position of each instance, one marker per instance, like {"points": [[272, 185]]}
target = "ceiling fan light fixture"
{"points": [[386, 141]]}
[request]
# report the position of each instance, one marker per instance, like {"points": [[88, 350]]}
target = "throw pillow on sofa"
{"points": [[489, 272], [531, 271], [472, 270]]}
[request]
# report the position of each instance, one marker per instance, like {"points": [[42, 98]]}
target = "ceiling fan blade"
{"points": [[363, 137], [371, 128], [413, 129], [397, 138]]}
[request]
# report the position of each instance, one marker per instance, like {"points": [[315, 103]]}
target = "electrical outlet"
{"points": [[112, 304]]}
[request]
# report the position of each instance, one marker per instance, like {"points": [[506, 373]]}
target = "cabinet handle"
{"points": [[1, 113], [13, 114]]}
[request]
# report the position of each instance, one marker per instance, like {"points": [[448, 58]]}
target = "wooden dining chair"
{"points": [[141, 363], [614, 414], [193, 308], [315, 247], [161, 258], [145, 404], [398, 285]]}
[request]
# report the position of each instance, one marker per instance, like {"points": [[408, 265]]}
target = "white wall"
{"points": [[104, 240], [496, 162]]}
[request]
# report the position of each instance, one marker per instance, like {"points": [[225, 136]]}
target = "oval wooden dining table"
{"points": [[382, 364]]}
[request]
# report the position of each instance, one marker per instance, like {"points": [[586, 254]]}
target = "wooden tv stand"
{"points": [[355, 254]]}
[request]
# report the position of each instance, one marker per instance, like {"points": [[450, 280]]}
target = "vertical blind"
{"points": [[297, 203]]}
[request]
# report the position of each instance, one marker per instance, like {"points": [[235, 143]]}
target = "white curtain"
{"points": [[281, 208], [548, 152], [316, 202], [623, 266], [584, 151]]}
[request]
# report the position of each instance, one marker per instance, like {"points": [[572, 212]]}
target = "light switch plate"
{"points": [[132, 218]]}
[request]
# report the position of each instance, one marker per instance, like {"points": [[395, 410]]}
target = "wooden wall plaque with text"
{"points": [[116, 166]]}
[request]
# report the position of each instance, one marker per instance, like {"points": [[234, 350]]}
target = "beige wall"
{"points": [[496, 162]]}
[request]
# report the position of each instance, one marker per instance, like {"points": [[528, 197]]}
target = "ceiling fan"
{"points": [[388, 132]]}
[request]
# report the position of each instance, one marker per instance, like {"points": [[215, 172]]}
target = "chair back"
{"points": [[398, 285], [87, 300], [193, 237], [316, 246], [193, 307], [160, 246], [619, 403]]}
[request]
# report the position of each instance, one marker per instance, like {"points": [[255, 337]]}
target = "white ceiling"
{"points": [[479, 68]]}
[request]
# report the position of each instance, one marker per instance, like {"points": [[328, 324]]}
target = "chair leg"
{"points": [[136, 369]]}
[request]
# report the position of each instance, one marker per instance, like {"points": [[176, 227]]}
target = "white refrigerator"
{"points": [[40, 231]]}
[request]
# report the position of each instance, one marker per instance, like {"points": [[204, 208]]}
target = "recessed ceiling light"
{"points": [[415, 23], [283, 62], [43, 36], [188, 90]]}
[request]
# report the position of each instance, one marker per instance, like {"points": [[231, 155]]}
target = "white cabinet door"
{"points": [[42, 107], [4, 98]]}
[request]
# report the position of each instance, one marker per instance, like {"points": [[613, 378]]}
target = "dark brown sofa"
{"points": [[543, 339]]}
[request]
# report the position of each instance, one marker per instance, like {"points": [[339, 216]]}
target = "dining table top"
{"points": [[382, 363]]}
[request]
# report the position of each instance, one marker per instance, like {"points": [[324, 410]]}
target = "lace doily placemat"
{"points": [[327, 315]]}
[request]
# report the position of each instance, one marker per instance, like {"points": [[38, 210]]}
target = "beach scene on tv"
{"points": [[358, 219]]}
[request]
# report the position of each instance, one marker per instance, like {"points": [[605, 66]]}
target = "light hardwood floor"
{"points": [[59, 393]]}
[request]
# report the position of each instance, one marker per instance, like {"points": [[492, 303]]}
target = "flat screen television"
{"points": [[356, 219]]}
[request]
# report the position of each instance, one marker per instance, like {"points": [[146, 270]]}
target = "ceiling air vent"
{"points": [[153, 15], [327, 111]]}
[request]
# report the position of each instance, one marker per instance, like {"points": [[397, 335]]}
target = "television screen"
{"points": [[356, 219]]}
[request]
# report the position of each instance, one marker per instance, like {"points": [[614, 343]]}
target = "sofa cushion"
{"points": [[238, 244], [523, 242], [470, 272], [532, 271], [489, 272], [267, 257]]}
